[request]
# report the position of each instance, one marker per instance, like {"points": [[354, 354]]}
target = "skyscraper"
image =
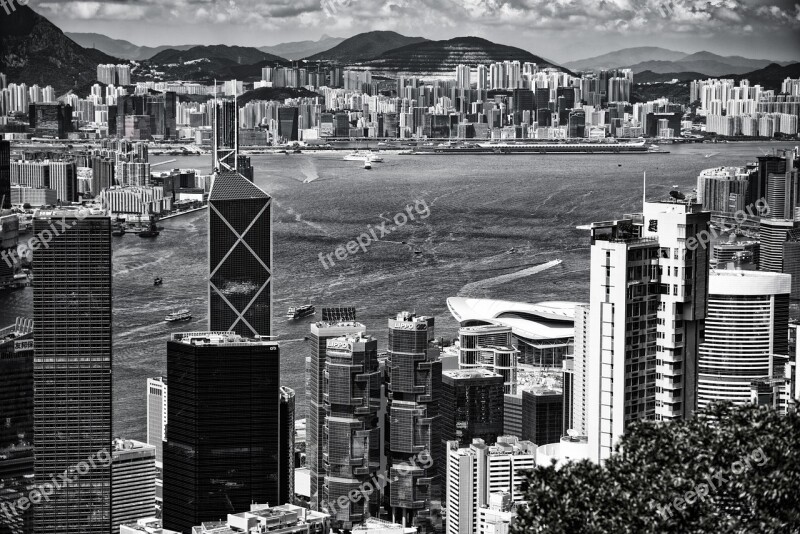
{"points": [[225, 139], [133, 475], [542, 415], [579, 369], [72, 369], [623, 314], [490, 347], [471, 406], [286, 460], [747, 326], [240, 257], [321, 332], [414, 385], [222, 450], [353, 431], [157, 427], [5, 174]]}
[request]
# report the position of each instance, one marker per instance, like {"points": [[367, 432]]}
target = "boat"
{"points": [[180, 315], [301, 311], [157, 281], [151, 231], [118, 231], [360, 155], [367, 165]]}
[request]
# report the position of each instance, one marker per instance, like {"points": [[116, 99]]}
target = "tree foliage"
{"points": [[729, 469]]}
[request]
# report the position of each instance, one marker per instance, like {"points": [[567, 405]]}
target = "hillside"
{"points": [[365, 46], [301, 49], [242, 55], [771, 76], [34, 51], [445, 56], [119, 47]]}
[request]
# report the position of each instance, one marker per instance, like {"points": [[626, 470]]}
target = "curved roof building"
{"points": [[544, 331]]}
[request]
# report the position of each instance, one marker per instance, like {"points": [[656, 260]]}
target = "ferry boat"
{"points": [[367, 165], [180, 315], [300, 312], [357, 155], [552, 147]]}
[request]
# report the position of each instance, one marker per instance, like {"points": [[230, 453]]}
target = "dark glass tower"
{"points": [[352, 402], [286, 473], [5, 174], [471, 407], [225, 139], [321, 332], [240, 257], [413, 422], [72, 369], [222, 448]]}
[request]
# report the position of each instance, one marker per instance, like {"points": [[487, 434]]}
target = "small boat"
{"points": [[300, 312], [367, 164], [151, 231], [157, 281], [180, 315], [118, 230]]}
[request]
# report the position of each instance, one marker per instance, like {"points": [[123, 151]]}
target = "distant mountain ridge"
{"points": [[662, 61], [120, 47], [242, 55], [365, 46], [301, 49], [34, 51], [445, 56]]}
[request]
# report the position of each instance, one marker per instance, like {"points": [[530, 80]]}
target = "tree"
{"points": [[728, 469]]}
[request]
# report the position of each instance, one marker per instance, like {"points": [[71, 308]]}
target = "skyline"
{"points": [[560, 32]]}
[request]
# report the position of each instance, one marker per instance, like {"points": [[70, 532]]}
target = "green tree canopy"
{"points": [[729, 469]]}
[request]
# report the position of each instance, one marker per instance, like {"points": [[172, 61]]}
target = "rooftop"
{"points": [[220, 338], [234, 186]]}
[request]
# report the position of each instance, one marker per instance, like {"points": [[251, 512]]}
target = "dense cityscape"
{"points": [[657, 392]]}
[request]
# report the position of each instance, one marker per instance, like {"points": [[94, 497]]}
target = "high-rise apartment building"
{"points": [[683, 285], [623, 315], [746, 333], [5, 174], [321, 332], [240, 257], [773, 234], [72, 369], [476, 472], [223, 445], [414, 375], [579, 375], [352, 402]]}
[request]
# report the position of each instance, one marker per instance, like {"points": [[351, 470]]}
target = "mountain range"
{"points": [[301, 49], [663, 61], [119, 47]]}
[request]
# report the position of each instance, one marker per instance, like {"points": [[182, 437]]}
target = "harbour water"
{"points": [[488, 218]]}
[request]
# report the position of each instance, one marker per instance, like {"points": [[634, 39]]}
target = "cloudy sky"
{"points": [[560, 30]]}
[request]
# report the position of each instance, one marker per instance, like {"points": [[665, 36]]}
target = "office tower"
{"points": [[471, 407], [170, 115], [286, 461], [50, 119], [523, 101], [321, 332], [490, 347], [542, 415], [288, 123], [225, 139], [623, 313], [222, 449], [133, 476], [5, 174], [512, 414], [240, 257], [352, 429], [683, 275], [157, 427], [72, 369], [783, 189], [773, 233], [746, 333], [579, 376], [414, 375], [16, 432], [476, 472], [791, 261]]}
